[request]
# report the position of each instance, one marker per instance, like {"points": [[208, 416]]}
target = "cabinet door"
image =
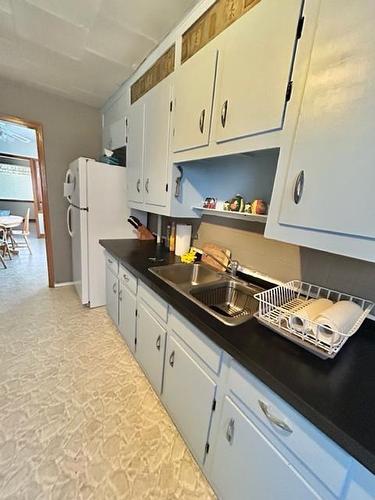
{"points": [[111, 283], [254, 69], [118, 133], [331, 171], [156, 155], [127, 318], [150, 346], [135, 151], [245, 465], [193, 91], [188, 393]]}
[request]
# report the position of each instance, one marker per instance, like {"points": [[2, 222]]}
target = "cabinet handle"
{"points": [[224, 110], [126, 278], [110, 261], [230, 431], [201, 120], [120, 295], [298, 187], [139, 185], [158, 340], [146, 185], [171, 359], [274, 420], [114, 288]]}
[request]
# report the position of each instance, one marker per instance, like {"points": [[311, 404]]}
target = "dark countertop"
{"points": [[337, 396]]}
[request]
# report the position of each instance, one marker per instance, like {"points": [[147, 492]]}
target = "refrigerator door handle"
{"points": [[69, 220]]}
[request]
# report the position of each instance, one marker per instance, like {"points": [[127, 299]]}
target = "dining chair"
{"points": [[4, 247], [23, 233]]}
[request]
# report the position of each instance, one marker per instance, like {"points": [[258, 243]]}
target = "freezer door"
{"points": [[78, 230]]}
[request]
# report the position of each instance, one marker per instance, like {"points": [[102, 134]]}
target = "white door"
{"points": [[111, 286], [332, 165], [188, 393], [254, 68], [127, 316], [193, 92], [77, 228], [246, 465], [150, 346], [135, 151], [156, 141]]}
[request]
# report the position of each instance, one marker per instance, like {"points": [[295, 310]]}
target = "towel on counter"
{"points": [[341, 317], [300, 320]]}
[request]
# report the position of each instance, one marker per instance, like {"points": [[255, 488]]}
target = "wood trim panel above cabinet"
{"points": [[215, 20], [163, 67]]}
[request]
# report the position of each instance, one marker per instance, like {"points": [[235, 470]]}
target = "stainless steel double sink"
{"points": [[227, 298]]}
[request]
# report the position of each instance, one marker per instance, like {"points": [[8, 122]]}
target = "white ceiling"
{"points": [[82, 49]]}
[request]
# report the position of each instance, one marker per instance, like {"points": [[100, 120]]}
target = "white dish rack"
{"points": [[279, 304]]}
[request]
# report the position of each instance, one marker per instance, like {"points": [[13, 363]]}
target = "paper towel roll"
{"points": [[300, 320], [340, 317], [183, 238]]}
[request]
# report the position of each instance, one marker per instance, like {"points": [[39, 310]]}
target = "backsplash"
{"points": [[282, 260]]}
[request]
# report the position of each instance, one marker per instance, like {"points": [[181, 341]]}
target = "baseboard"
{"points": [[67, 283]]}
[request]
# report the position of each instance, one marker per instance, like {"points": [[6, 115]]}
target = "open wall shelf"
{"points": [[231, 215]]}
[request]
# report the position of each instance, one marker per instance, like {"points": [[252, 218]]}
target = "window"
{"points": [[15, 183]]}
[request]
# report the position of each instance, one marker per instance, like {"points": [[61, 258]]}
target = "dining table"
{"points": [[7, 223]]}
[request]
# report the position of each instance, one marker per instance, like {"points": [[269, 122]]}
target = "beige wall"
{"points": [[286, 262], [70, 130]]}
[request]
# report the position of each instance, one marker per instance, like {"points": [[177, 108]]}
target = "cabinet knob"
{"points": [[201, 120], [114, 288], [230, 431], [139, 185], [298, 187], [273, 419], [224, 110], [146, 185], [158, 341], [171, 359], [126, 278]]}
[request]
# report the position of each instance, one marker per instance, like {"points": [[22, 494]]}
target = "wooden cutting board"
{"points": [[220, 253]]}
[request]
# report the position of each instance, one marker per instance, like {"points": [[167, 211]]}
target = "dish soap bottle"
{"points": [[172, 238]]}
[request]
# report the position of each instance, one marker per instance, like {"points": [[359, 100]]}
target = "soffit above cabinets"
{"points": [[82, 49]]}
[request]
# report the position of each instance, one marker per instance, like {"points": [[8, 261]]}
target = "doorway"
{"points": [[36, 162]]}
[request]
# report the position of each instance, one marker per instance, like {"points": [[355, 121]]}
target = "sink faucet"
{"points": [[232, 265]]}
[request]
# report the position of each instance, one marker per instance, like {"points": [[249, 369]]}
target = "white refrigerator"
{"points": [[98, 209]]}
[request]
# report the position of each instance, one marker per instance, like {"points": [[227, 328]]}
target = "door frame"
{"points": [[43, 177]]}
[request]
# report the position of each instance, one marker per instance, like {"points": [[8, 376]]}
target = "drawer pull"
{"points": [[171, 359], [274, 420], [114, 288], [230, 431], [158, 340], [298, 187]]}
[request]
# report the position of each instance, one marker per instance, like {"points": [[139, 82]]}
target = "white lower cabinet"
{"points": [[111, 283], [150, 346], [188, 393], [245, 464], [127, 315]]}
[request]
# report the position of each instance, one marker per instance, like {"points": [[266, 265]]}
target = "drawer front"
{"points": [[326, 460], [128, 279], [158, 305], [207, 351], [112, 263]]}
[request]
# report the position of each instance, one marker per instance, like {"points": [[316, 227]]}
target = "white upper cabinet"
{"points": [[193, 91], [331, 176], [255, 61], [156, 143], [135, 151]]}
